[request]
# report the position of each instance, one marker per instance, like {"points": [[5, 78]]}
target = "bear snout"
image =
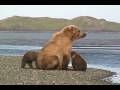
{"points": [[82, 35]]}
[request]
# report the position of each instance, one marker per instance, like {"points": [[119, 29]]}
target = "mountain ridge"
{"points": [[46, 23]]}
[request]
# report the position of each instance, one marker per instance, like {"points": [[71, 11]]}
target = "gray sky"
{"points": [[108, 12]]}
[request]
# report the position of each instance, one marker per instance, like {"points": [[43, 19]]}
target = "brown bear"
{"points": [[58, 49], [28, 58], [78, 62]]}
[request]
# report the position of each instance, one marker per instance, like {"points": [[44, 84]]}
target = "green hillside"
{"points": [[46, 23]]}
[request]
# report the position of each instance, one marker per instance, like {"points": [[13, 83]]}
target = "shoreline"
{"points": [[114, 79], [12, 74]]}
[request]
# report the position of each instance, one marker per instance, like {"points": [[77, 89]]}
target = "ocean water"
{"points": [[100, 50]]}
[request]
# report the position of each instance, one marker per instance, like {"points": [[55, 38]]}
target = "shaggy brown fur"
{"points": [[58, 48], [78, 62], [28, 58]]}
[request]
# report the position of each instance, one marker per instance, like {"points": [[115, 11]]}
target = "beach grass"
{"points": [[11, 73]]}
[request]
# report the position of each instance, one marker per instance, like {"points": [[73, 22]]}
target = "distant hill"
{"points": [[46, 23]]}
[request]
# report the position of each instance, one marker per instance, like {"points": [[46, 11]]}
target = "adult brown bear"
{"points": [[28, 58], [78, 62], [56, 53]]}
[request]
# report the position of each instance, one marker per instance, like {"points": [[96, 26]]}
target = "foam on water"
{"points": [[11, 54], [19, 47]]}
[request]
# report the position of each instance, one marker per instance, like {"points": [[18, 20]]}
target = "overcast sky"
{"points": [[108, 12]]}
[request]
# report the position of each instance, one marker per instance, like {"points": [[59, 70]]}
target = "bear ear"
{"points": [[71, 27]]}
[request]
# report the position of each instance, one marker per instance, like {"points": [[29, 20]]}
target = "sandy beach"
{"points": [[12, 74]]}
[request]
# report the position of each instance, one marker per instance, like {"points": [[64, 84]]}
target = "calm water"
{"points": [[37, 39], [105, 57]]}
